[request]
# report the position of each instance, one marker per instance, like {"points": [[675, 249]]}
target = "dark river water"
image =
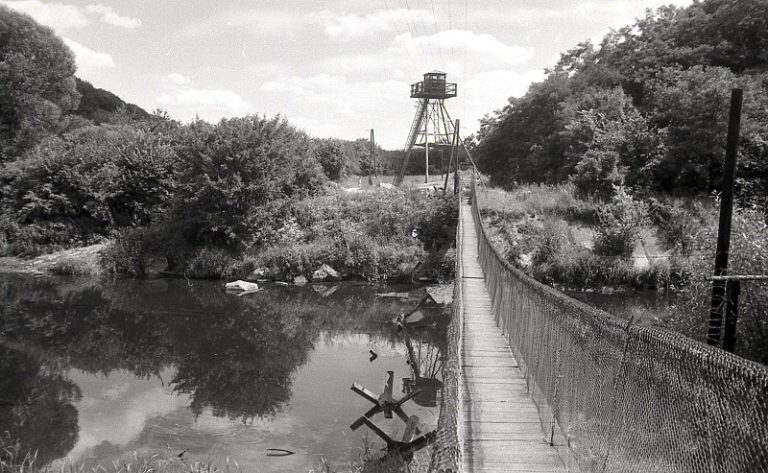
{"points": [[92, 372], [643, 307]]}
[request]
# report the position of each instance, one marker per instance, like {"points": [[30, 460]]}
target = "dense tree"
{"points": [[330, 153], [95, 178], [647, 107], [233, 168], [37, 84]]}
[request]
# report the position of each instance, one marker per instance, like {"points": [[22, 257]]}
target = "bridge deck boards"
{"points": [[502, 432]]}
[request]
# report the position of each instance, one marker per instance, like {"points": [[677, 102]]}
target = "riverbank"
{"points": [[378, 234], [80, 261]]}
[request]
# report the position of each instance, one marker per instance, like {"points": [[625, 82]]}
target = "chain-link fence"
{"points": [[628, 398], [446, 454]]}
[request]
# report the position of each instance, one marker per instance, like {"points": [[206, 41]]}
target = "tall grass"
{"points": [[539, 199], [13, 461]]}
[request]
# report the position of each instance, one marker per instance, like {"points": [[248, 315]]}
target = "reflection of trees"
{"points": [[36, 406], [235, 355]]}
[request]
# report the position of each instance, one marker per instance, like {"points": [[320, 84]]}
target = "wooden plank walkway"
{"points": [[502, 432]]}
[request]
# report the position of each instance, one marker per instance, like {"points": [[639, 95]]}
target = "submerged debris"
{"points": [[279, 452]]}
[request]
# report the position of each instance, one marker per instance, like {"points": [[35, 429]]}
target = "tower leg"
{"points": [[426, 149]]}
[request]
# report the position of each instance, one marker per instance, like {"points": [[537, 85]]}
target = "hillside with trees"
{"points": [[102, 106], [646, 108]]}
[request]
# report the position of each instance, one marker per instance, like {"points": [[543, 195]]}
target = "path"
{"points": [[502, 432]]}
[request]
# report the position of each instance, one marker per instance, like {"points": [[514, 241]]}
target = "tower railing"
{"points": [[627, 398]]}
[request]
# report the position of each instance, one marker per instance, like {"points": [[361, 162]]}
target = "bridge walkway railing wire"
{"points": [[626, 398]]}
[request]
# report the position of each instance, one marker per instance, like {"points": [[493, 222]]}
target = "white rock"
{"points": [[241, 285], [325, 273], [299, 280]]}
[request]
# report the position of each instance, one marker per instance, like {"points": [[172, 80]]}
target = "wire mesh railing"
{"points": [[447, 450], [628, 398]]}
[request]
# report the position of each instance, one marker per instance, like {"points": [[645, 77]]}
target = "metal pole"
{"points": [[726, 211], [733, 289], [450, 162]]}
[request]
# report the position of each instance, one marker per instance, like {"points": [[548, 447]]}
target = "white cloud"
{"points": [[219, 99], [187, 102], [62, 17], [619, 12], [58, 16], [348, 26], [490, 90], [109, 16], [334, 105], [256, 22], [177, 79], [483, 48], [87, 59]]}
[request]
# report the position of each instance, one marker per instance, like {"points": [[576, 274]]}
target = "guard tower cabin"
{"points": [[433, 86]]}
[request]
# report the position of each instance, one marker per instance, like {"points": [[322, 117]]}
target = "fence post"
{"points": [[726, 211]]}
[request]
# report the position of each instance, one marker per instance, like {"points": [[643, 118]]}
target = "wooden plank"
{"points": [[502, 427]]}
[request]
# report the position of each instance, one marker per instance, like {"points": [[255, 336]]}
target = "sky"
{"points": [[333, 68]]}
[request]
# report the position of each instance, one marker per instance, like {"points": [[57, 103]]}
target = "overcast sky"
{"points": [[334, 68]]}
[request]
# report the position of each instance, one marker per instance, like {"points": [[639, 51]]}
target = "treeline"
{"points": [[646, 108], [244, 194]]}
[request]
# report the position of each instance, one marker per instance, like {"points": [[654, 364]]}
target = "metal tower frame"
{"points": [[432, 127]]}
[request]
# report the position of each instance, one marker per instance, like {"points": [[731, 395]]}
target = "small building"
{"points": [[434, 86]]}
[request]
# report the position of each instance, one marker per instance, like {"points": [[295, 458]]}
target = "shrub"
{"points": [[209, 264], [618, 231], [598, 173], [126, 252]]}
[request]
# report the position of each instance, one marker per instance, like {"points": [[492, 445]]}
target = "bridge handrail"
{"points": [[627, 398], [447, 450]]}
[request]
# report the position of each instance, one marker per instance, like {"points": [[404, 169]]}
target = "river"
{"points": [[97, 372]]}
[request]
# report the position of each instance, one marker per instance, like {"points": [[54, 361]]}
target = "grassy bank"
{"points": [[634, 242], [576, 243]]}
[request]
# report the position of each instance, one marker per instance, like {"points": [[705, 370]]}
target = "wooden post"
{"points": [[733, 289], [726, 211]]}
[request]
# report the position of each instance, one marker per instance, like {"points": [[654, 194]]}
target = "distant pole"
{"points": [[451, 160], [726, 212], [456, 162], [372, 169], [426, 149]]}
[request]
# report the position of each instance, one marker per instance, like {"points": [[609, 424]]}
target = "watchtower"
{"points": [[432, 126]]}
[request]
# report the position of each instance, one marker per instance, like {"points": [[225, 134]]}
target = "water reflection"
{"points": [[196, 349], [36, 405]]}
